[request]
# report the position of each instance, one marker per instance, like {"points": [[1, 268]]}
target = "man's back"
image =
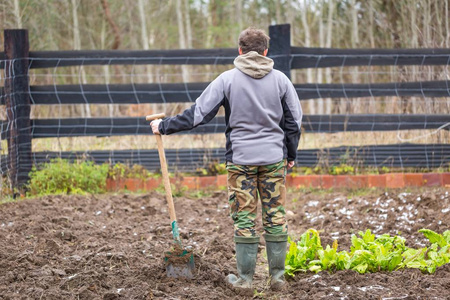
{"points": [[254, 95], [262, 112]]}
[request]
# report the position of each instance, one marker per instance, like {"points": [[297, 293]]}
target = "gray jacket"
{"points": [[262, 112]]}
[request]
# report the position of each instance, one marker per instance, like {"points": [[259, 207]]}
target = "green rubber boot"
{"points": [[276, 255], [246, 252]]}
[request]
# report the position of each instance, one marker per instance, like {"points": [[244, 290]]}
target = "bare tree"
{"points": [[279, 19], [328, 45], [17, 14], [188, 24], [290, 18], [144, 35], [114, 46], [86, 111], [307, 42], [320, 101], [447, 27], [371, 12], [238, 15], [113, 25], [181, 36]]}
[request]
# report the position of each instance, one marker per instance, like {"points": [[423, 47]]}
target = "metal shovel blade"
{"points": [[180, 264]]}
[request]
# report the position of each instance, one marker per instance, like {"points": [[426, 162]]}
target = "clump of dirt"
{"points": [[178, 255], [113, 246]]}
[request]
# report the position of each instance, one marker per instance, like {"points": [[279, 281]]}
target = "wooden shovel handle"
{"points": [[155, 116], [166, 180]]}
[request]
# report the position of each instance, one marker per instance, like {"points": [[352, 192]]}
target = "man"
{"points": [[263, 117]]}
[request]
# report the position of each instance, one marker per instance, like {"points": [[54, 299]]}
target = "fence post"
{"points": [[17, 102], [280, 47]]}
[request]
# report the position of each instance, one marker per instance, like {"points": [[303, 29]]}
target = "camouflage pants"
{"points": [[244, 185]]}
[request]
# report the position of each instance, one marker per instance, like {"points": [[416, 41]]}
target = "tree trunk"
{"points": [[111, 22], [320, 101], [279, 20], [414, 44], [17, 15], [106, 72], [371, 22], [355, 35], [291, 20], [355, 43], [307, 41], [329, 103], [210, 23], [181, 36], [188, 24], [115, 46], [86, 110], [372, 101], [426, 29], [447, 27], [239, 16], [144, 36]]}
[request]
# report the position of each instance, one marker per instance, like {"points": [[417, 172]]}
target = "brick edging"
{"points": [[391, 180]]}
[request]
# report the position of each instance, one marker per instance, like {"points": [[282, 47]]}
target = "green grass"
{"points": [[8, 199]]}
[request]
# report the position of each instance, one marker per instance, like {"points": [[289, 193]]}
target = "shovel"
{"points": [[179, 262]]}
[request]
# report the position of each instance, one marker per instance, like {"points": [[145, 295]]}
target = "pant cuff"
{"points": [[276, 237], [246, 239]]}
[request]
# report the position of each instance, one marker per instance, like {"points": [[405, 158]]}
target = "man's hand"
{"points": [[155, 126], [290, 164]]}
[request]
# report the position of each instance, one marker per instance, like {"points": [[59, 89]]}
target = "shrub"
{"points": [[63, 177]]}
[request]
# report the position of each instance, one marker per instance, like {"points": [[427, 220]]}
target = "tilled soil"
{"points": [[112, 246]]}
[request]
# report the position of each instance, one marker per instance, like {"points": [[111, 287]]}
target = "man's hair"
{"points": [[252, 39]]}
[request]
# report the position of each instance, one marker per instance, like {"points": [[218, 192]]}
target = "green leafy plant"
{"points": [[367, 253], [428, 259], [342, 169], [63, 177], [213, 168]]}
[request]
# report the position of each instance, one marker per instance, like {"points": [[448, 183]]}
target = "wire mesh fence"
{"points": [[385, 107]]}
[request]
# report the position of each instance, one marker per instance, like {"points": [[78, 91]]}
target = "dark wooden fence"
{"points": [[18, 96]]}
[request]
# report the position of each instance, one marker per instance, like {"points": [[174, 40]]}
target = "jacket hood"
{"points": [[254, 64]]}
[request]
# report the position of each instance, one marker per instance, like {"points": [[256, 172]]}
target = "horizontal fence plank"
{"points": [[51, 59], [189, 92], [399, 89], [300, 57], [117, 93], [327, 57], [400, 156], [46, 128]]}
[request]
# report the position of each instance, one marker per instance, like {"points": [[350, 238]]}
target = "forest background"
{"points": [[200, 24]]}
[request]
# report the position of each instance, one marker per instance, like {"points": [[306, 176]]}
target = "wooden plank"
{"points": [[46, 128], [400, 89], [117, 93], [52, 59], [18, 107], [179, 92], [280, 47], [325, 58], [300, 57]]}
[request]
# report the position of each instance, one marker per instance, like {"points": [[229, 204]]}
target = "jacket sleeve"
{"points": [[292, 112], [204, 110]]}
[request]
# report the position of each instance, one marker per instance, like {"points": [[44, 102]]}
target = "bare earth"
{"points": [[112, 246]]}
